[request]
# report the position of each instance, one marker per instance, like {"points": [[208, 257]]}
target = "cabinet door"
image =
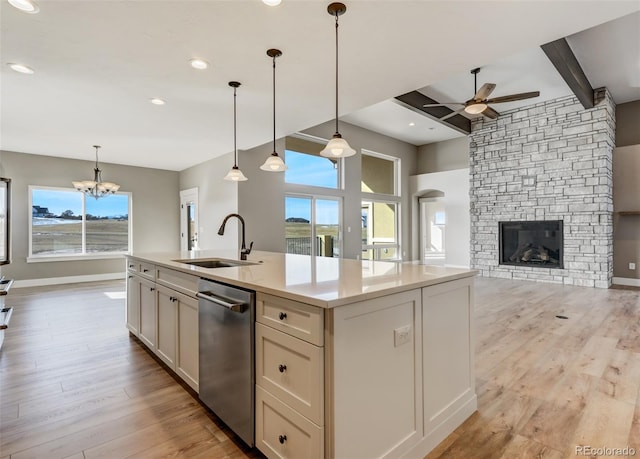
{"points": [[148, 314], [133, 304], [447, 324], [167, 326], [187, 359]]}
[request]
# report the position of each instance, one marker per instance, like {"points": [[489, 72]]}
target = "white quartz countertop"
{"points": [[320, 281]]}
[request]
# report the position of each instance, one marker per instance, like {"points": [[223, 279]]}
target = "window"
{"points": [[307, 167], [380, 207], [312, 225], [66, 223]]}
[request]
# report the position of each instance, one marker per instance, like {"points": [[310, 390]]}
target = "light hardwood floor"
{"points": [[74, 384]]}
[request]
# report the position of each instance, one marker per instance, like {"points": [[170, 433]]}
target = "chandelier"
{"points": [[96, 188]]}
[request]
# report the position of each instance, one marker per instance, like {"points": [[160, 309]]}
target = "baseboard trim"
{"points": [[626, 281], [66, 280]]}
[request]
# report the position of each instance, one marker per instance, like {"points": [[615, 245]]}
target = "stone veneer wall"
{"points": [[549, 161]]}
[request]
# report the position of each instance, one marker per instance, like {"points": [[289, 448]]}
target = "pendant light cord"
{"points": [[337, 74], [235, 148], [274, 103]]}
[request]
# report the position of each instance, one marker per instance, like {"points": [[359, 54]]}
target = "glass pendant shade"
{"points": [[475, 109], [337, 148], [235, 175], [274, 164]]}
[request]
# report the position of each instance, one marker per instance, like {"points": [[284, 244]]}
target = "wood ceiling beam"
{"points": [[415, 100], [561, 56]]}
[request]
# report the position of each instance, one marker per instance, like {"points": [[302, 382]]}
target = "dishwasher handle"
{"points": [[233, 306]]}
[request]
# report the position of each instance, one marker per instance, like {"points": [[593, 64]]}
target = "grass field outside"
{"points": [[65, 237]]}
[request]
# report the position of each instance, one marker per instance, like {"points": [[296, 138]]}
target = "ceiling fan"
{"points": [[479, 104]]}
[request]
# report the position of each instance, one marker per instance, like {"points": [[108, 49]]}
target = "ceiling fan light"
{"points": [[235, 175], [337, 148], [475, 109], [274, 164]]}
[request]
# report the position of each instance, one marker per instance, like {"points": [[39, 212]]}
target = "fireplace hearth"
{"points": [[537, 244]]}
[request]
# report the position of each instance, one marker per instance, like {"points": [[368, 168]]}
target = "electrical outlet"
{"points": [[402, 335], [632, 266]]}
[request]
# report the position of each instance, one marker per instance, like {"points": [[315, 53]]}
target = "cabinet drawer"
{"points": [[298, 319], [283, 433], [133, 265], [147, 270], [182, 282], [292, 370]]}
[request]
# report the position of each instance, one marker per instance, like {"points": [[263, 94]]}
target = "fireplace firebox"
{"points": [[531, 243]]}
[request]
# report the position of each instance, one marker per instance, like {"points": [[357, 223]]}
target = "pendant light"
{"points": [[337, 146], [96, 188], [274, 163], [235, 174]]}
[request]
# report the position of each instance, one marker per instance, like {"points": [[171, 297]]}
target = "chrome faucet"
{"points": [[243, 250]]}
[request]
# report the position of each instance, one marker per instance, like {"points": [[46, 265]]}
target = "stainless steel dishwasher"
{"points": [[226, 337]]}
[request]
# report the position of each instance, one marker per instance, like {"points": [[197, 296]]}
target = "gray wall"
{"points": [[627, 124], [261, 198], [216, 199], [626, 197], [443, 156], [154, 210]]}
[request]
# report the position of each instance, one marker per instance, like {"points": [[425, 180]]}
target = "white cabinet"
{"points": [[282, 432], [167, 326], [289, 378], [148, 314], [448, 358], [188, 347], [133, 303]]}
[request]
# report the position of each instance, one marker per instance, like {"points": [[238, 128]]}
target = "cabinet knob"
{"points": [[282, 368], [131, 266], [282, 439], [283, 315], [145, 270], [130, 277], [151, 289]]}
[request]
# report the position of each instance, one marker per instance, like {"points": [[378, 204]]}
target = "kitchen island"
{"points": [[352, 358]]}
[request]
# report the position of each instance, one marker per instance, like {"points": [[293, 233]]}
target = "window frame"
{"points": [[37, 258], [369, 198], [313, 198]]}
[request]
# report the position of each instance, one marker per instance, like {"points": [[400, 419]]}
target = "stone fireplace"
{"points": [[548, 162], [537, 244]]}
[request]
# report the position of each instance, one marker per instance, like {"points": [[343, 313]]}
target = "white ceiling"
{"points": [[98, 63], [608, 53]]}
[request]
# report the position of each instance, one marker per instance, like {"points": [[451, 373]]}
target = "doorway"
{"points": [[189, 219], [433, 220]]}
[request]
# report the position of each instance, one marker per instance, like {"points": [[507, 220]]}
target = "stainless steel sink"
{"points": [[215, 262]]}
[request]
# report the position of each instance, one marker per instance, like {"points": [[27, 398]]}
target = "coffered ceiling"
{"points": [[97, 64]]}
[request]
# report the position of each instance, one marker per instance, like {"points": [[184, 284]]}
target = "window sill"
{"points": [[87, 257]]}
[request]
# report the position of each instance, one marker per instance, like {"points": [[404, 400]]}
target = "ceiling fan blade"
{"points": [[484, 91], [443, 104], [446, 117], [490, 113], [513, 97]]}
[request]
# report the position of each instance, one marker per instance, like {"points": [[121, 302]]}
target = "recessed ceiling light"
{"points": [[199, 64], [25, 5], [157, 101], [412, 124], [271, 2], [21, 68]]}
